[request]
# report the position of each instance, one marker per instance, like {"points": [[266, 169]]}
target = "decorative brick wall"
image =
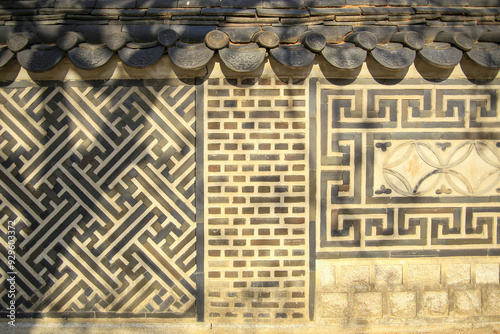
{"points": [[254, 200]]}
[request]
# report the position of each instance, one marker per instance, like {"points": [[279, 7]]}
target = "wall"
{"points": [[368, 199]]}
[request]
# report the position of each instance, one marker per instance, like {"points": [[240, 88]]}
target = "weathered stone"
{"points": [[90, 56], [243, 58], [389, 275], [116, 41], [354, 275], [459, 39], [40, 60], [457, 273], [441, 55], [368, 2], [267, 39], [190, 56], [344, 56], [364, 39], [485, 54], [467, 303], [487, 273], [168, 37], [435, 303], [173, 11], [325, 3], [411, 39], [5, 56], [402, 304], [294, 56], [493, 302], [335, 11], [368, 305], [448, 3], [334, 305], [394, 56], [216, 39], [424, 275], [327, 277], [141, 57], [69, 40], [313, 41]]}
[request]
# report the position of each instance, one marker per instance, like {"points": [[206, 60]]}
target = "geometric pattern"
{"points": [[408, 171], [256, 201], [100, 180]]}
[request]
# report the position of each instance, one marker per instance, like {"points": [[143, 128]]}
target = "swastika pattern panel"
{"points": [[413, 171], [100, 181], [256, 201]]}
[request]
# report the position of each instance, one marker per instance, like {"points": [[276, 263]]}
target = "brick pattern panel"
{"points": [[100, 183], [411, 171], [256, 200]]}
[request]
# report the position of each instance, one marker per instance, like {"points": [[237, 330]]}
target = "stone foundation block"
{"points": [[424, 275], [435, 304], [487, 273], [467, 303], [334, 305], [327, 277], [403, 304], [493, 302], [389, 275], [368, 305], [355, 275], [457, 273]]}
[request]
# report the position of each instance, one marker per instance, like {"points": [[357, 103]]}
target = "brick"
{"points": [[334, 305], [487, 273], [426, 275], [435, 303], [467, 303], [457, 273], [354, 275], [402, 304], [389, 274], [367, 305]]}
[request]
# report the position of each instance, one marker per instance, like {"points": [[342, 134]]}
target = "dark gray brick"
{"points": [[240, 35], [33, 4], [408, 2], [197, 3], [121, 12], [173, 11], [73, 4], [383, 34], [242, 3], [282, 12], [192, 34], [156, 3], [5, 4], [228, 11], [440, 10], [387, 10], [115, 4], [325, 3], [448, 2], [284, 4], [335, 11], [332, 35], [477, 11], [368, 2], [484, 3]]}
